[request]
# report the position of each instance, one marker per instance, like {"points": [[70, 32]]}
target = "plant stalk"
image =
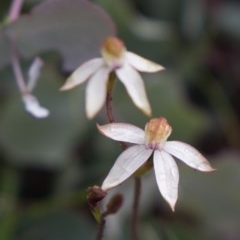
{"points": [[135, 208]]}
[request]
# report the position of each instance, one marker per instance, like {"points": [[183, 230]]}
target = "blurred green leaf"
{"points": [[8, 198], [206, 194], [4, 49], [214, 197], [56, 226], [47, 141], [74, 28]]}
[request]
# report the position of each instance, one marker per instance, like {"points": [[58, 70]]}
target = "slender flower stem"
{"points": [[109, 107], [13, 14], [15, 10], [109, 98], [135, 208], [17, 69], [101, 227], [110, 117], [137, 180]]}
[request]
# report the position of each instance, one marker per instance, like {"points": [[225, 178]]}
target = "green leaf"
{"points": [[27, 140], [74, 28], [4, 49], [56, 226], [213, 196]]}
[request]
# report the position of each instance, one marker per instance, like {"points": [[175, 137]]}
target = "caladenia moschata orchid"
{"points": [[124, 64], [26, 88], [30, 101], [148, 148], [151, 142]]}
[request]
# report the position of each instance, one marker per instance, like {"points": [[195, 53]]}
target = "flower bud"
{"points": [[114, 204], [94, 195]]}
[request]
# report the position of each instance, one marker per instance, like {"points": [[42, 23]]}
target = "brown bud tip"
{"points": [[114, 204], [94, 195]]}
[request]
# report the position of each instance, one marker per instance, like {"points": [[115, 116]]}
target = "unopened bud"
{"points": [[114, 204], [94, 195]]}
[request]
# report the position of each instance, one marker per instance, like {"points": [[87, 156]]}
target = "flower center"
{"points": [[113, 51], [157, 131]]}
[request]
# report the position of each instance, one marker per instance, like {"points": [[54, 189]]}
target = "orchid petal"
{"points": [[82, 73], [33, 107], [34, 73], [135, 87], [96, 92], [167, 176], [188, 154], [142, 64], [126, 164], [123, 132]]}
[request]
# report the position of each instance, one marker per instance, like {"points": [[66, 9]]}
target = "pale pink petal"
{"points": [[123, 132], [135, 87], [33, 106], [188, 154], [167, 176], [126, 164], [142, 64], [96, 91], [34, 73], [82, 73]]}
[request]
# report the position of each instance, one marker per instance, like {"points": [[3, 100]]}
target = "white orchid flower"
{"points": [[31, 103], [32, 106], [151, 142], [115, 58]]}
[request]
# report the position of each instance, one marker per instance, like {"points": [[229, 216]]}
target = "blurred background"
{"points": [[47, 164]]}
